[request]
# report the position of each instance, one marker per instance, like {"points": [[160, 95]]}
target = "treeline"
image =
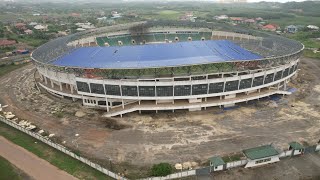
{"points": [[309, 8], [273, 15]]}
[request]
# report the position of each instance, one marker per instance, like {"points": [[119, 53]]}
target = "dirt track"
{"points": [[171, 137], [32, 165]]}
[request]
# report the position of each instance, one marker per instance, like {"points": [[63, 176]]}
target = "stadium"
{"points": [[166, 66]]}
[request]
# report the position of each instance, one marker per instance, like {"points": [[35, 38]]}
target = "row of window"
{"points": [[263, 160], [182, 90]]}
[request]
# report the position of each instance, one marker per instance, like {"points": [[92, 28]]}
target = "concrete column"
{"points": [[60, 86], [71, 88], [52, 85], [107, 104], [45, 80], [285, 85]]}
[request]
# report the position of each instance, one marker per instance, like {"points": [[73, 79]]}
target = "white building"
{"points": [[296, 148], [41, 28], [33, 24], [216, 164], [313, 27], [261, 155], [221, 17], [86, 25], [318, 146]]}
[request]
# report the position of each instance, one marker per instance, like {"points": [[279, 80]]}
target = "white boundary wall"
{"points": [[174, 176], [62, 149], [236, 164]]}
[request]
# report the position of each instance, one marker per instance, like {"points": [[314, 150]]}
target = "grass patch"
{"points": [[53, 156], [168, 14], [4, 69], [232, 157], [8, 171], [311, 54]]}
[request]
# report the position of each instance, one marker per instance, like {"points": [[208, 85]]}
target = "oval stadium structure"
{"points": [[161, 65]]}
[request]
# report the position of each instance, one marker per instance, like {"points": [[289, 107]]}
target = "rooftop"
{"points": [[295, 145], [260, 152], [217, 161], [156, 55]]}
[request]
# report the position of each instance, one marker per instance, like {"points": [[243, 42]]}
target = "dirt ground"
{"points": [[145, 139], [304, 167]]}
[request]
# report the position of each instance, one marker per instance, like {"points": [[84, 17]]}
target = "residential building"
{"points": [[270, 27], [292, 29], [313, 27], [28, 31], [7, 43], [41, 28]]}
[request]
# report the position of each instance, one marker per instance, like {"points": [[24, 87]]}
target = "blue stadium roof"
{"points": [[156, 55]]}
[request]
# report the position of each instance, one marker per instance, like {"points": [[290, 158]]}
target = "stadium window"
{"points": [[112, 90], [102, 103], [278, 75], [216, 87], [257, 81], [198, 89], [286, 73], [97, 88], [182, 90], [245, 83], [147, 91], [268, 78], [164, 90], [231, 85], [83, 87], [291, 70], [129, 90]]}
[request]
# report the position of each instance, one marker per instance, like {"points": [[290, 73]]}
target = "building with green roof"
{"points": [[296, 148], [261, 155], [217, 163]]}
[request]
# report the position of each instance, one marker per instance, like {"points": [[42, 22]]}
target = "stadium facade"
{"points": [[169, 66]]}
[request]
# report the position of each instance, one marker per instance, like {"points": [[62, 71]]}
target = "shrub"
{"points": [[161, 169]]}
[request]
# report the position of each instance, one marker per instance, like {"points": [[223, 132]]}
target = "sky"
{"points": [[282, 1]]}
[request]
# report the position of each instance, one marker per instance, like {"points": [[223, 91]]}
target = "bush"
{"points": [[161, 169]]}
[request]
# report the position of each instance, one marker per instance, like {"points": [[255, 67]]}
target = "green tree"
{"points": [[161, 169]]}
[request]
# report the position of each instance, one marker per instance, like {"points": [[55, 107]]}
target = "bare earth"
{"points": [[32, 165], [305, 167], [171, 137]]}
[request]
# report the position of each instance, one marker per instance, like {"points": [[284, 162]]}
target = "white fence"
{"points": [[62, 149], [285, 154], [174, 176], [236, 164]]}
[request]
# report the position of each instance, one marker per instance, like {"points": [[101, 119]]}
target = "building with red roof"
{"points": [[270, 27], [6, 42]]}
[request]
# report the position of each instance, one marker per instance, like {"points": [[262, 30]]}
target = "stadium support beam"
{"points": [[52, 85]]}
